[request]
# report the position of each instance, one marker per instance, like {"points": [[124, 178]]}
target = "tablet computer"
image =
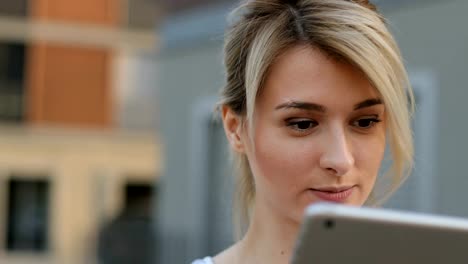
{"points": [[336, 234]]}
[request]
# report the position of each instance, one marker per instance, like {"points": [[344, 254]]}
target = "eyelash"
{"points": [[373, 121], [293, 124]]}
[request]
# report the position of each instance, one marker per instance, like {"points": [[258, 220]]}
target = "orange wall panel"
{"points": [[69, 86], [105, 12]]}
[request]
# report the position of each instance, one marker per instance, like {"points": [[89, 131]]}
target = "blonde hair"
{"points": [[347, 30]]}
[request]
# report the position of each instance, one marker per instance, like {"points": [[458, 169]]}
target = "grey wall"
{"points": [[434, 36], [191, 69], [185, 75]]}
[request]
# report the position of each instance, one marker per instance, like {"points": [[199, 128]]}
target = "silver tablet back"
{"points": [[336, 234]]}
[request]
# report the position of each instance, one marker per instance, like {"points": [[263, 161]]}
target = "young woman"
{"points": [[315, 91]]}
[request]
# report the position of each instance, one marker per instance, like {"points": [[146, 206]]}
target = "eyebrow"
{"points": [[368, 103], [322, 109]]}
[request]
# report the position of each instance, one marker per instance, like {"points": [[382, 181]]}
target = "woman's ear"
{"points": [[233, 128]]}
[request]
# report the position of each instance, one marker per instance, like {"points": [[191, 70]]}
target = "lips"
{"points": [[333, 194]]}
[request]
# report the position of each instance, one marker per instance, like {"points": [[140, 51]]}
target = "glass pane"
{"points": [[28, 215], [11, 81]]}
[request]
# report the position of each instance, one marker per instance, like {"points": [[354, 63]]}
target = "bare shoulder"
{"points": [[228, 256]]}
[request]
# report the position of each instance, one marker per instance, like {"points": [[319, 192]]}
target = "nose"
{"points": [[337, 157]]}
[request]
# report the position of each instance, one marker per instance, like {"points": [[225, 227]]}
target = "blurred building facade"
{"points": [[72, 154]]}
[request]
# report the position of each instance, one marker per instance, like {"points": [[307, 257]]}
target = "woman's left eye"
{"points": [[301, 125], [366, 122]]}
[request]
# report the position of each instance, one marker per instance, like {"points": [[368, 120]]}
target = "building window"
{"points": [[11, 81], [28, 206], [138, 199], [17, 8]]}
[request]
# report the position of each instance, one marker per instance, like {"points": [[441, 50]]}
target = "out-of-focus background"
{"points": [[108, 149], [80, 152]]}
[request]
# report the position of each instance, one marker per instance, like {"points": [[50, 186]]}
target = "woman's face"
{"points": [[319, 134]]}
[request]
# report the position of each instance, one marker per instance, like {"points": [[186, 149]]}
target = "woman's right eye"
{"points": [[301, 125]]}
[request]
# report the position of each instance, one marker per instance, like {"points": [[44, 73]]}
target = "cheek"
{"points": [[282, 162], [369, 158]]}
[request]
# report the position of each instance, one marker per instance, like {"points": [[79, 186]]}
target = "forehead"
{"points": [[308, 74]]}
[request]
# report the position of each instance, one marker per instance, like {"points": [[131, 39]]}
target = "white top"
{"points": [[206, 260]]}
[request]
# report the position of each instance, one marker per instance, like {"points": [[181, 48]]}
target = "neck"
{"points": [[270, 237]]}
